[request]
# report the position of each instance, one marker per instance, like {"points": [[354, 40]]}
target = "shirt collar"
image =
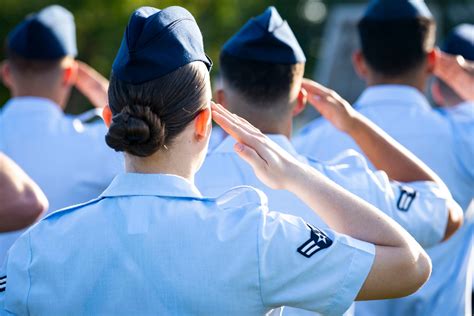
{"points": [[463, 111], [400, 95], [165, 185], [227, 145], [32, 106]]}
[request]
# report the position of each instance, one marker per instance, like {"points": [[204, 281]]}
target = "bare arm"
{"points": [[381, 149], [92, 85], [400, 261], [457, 73], [21, 200]]}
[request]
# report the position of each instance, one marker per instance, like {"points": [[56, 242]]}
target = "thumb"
{"points": [[249, 155]]}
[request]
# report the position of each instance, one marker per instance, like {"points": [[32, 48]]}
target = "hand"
{"points": [[332, 106], [456, 72], [92, 85], [272, 165]]}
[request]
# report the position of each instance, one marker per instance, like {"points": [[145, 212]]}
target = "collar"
{"points": [[32, 106], [227, 145], [400, 95], [463, 111], [140, 184]]}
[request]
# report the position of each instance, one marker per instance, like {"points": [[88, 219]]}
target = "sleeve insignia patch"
{"points": [[316, 242], [407, 195], [3, 283]]}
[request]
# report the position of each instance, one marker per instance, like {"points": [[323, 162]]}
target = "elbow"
{"points": [[417, 272], [455, 220], [35, 205], [29, 209]]}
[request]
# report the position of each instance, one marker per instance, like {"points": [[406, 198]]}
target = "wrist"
{"points": [[295, 175], [354, 124]]}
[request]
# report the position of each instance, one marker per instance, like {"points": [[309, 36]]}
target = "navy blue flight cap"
{"points": [[460, 41], [48, 34], [266, 38], [157, 42], [386, 10]]}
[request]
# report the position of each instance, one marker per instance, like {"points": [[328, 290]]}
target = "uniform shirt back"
{"points": [[151, 245], [68, 159], [438, 139]]}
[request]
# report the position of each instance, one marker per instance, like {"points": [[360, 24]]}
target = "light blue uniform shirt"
{"points": [[69, 160], [425, 218], [152, 245], [405, 114]]}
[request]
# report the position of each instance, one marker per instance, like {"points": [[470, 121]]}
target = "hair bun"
{"points": [[136, 130]]}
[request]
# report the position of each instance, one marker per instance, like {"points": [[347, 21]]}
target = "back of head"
{"points": [[263, 61], [396, 35], [159, 80], [460, 41], [40, 43]]}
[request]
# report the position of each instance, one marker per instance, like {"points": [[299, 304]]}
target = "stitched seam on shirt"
{"points": [[29, 274], [260, 223]]}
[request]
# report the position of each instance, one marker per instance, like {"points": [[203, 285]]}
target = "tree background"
{"points": [[100, 25]]}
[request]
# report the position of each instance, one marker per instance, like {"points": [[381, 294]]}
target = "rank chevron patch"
{"points": [[316, 242]]}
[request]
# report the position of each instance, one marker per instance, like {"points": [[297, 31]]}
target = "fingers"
{"points": [[315, 88], [235, 119], [231, 127], [250, 156]]}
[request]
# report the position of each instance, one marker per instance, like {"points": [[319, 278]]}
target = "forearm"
{"points": [[388, 155], [345, 212]]}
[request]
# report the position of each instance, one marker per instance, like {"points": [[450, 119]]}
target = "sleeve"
{"points": [[420, 207], [307, 268], [464, 146], [15, 273]]}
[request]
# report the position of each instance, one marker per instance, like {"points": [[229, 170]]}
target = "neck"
{"points": [[164, 161], [266, 120], [415, 80], [37, 90]]}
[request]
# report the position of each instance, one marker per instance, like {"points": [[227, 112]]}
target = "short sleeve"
{"points": [[15, 271], [420, 207], [307, 268]]}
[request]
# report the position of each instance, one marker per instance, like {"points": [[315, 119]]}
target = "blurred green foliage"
{"points": [[100, 25]]}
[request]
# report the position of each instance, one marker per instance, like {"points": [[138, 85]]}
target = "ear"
{"points": [[300, 102], [70, 74], [220, 97], [107, 115], [360, 66], [203, 124], [431, 59], [5, 74]]}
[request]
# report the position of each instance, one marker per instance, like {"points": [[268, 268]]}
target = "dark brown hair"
{"points": [[31, 66], [261, 83], [149, 116], [396, 47]]}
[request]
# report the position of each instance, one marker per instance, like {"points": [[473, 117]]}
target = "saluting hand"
{"points": [[272, 165], [92, 85], [331, 105], [457, 72]]}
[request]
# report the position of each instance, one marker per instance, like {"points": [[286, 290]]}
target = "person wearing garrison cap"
{"points": [[458, 109], [62, 153], [152, 244], [396, 58], [265, 47]]}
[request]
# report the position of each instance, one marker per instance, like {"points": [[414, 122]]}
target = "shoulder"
{"points": [[242, 196], [316, 124], [349, 158]]}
